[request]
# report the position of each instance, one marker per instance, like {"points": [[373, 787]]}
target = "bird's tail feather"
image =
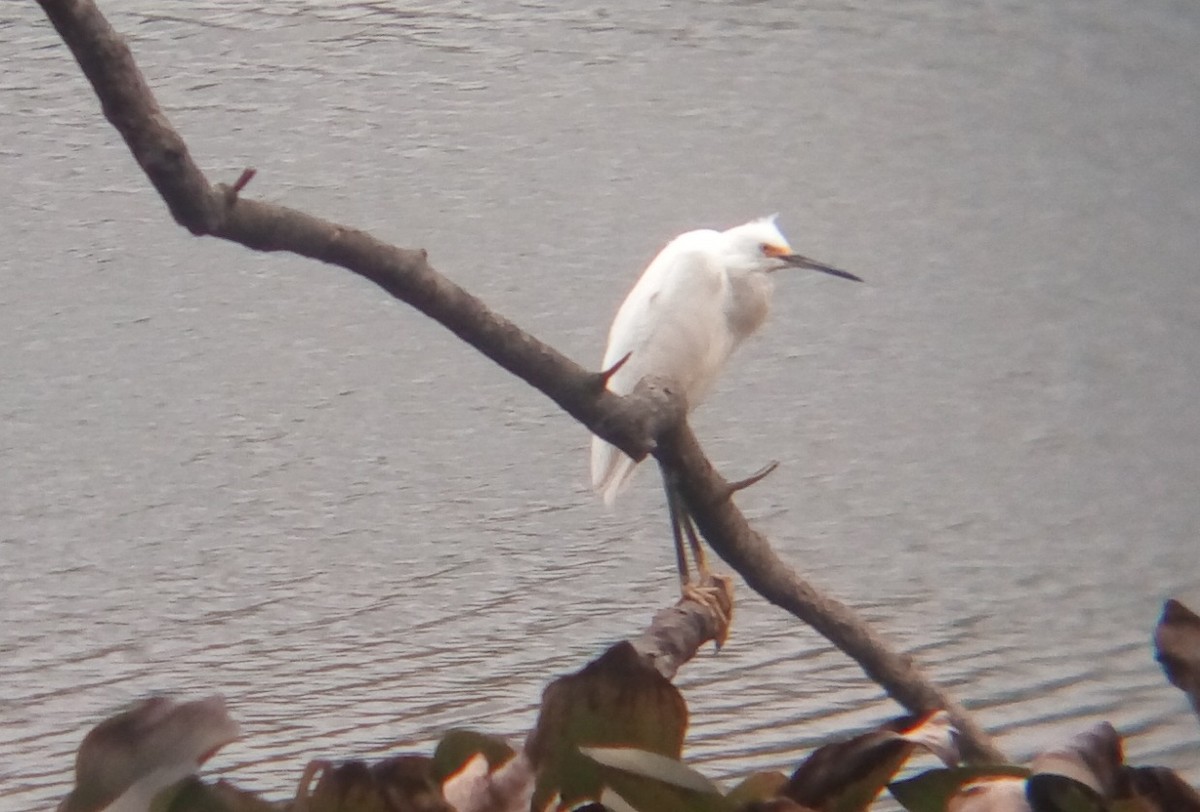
{"points": [[611, 470]]}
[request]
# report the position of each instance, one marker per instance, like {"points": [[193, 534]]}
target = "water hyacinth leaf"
{"points": [[1177, 646], [847, 776], [648, 795], [612, 802], [997, 794], [932, 790], [478, 788], [1093, 758], [760, 786], [343, 788], [652, 765], [129, 758], [616, 700], [408, 783], [1048, 792], [403, 782], [458, 747], [193, 795], [1161, 789], [649, 781]]}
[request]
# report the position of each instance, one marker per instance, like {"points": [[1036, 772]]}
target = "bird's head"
{"points": [[760, 246]]}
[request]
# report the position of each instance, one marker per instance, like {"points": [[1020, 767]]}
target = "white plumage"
{"points": [[705, 293]]}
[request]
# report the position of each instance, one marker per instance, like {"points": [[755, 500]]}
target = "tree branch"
{"points": [[652, 419]]}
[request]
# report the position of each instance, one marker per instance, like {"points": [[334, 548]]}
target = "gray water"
{"points": [[259, 476]]}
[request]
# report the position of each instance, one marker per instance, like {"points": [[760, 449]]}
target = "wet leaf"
{"points": [[775, 805], [156, 743], [997, 794], [1159, 789], [1177, 646], [1093, 758], [477, 788], [193, 795], [617, 700], [761, 786], [846, 776], [649, 781], [1048, 792], [403, 782], [458, 747], [652, 765], [932, 790]]}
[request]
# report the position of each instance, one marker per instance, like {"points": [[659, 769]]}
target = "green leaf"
{"points": [[1048, 792], [652, 765], [614, 802], [932, 790]]}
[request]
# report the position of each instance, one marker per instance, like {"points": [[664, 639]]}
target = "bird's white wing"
{"points": [[672, 324]]}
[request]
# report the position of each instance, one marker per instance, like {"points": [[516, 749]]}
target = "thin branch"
{"points": [[652, 419], [604, 376], [247, 175], [755, 478]]}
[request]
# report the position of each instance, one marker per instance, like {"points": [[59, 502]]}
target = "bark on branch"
{"points": [[652, 420]]}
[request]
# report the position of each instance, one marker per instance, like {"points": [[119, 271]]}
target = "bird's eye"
{"points": [[765, 249]]}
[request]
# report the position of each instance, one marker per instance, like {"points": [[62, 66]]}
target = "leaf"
{"points": [[613, 802], [1162, 789], [998, 794], [1093, 758], [193, 795], [649, 781], [1177, 646], [345, 787], [932, 790], [145, 749], [846, 776], [652, 765], [457, 747], [508, 788], [616, 700], [760, 786], [1048, 792], [402, 782]]}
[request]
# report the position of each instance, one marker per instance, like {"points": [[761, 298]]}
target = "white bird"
{"points": [[705, 293]]}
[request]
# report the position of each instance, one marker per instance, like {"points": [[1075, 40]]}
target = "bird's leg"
{"points": [[703, 574], [674, 508], [714, 592]]}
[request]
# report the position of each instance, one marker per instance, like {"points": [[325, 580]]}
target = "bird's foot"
{"points": [[715, 593]]}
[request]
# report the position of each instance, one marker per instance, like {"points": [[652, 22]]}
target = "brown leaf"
{"points": [[137, 753], [1177, 645], [994, 794], [399, 784], [476, 788], [1094, 758], [848, 775], [1162, 789], [616, 700]]}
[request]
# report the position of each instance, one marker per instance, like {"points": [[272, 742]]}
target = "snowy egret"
{"points": [[703, 294]]}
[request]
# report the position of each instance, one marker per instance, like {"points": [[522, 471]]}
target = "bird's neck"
{"points": [[749, 303]]}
